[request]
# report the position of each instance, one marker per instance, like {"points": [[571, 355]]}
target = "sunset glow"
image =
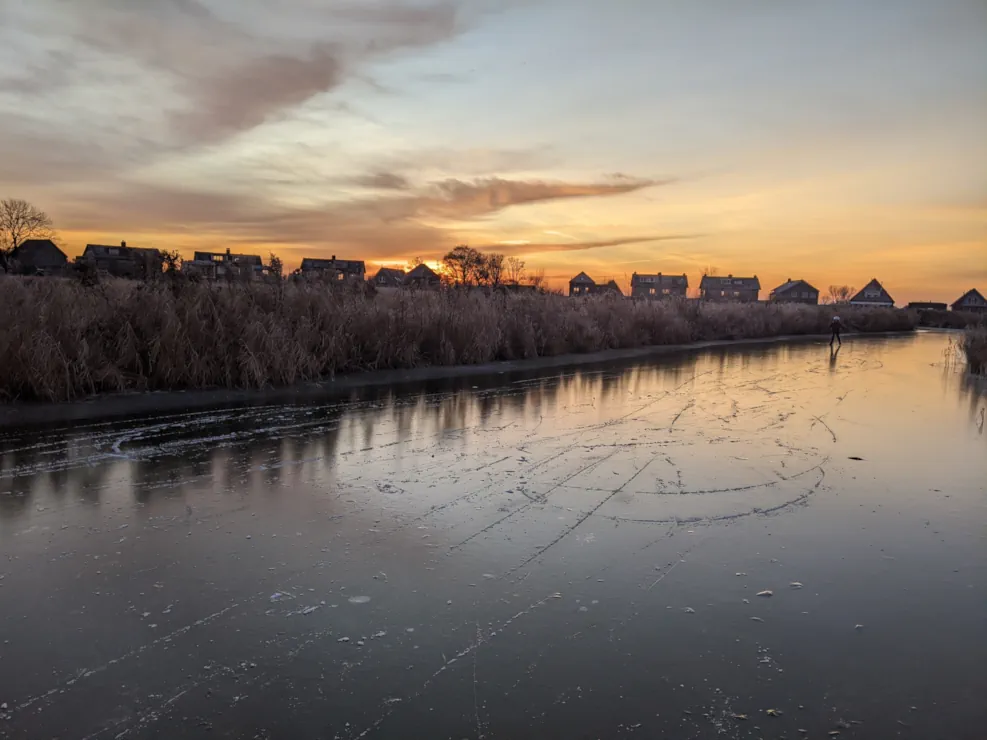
{"points": [[830, 140]]}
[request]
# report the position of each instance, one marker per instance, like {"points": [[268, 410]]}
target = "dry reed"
{"points": [[974, 346], [63, 340]]}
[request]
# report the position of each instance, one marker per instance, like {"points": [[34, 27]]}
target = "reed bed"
{"points": [[63, 340]]}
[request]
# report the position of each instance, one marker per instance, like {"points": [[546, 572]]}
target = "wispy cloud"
{"points": [[509, 247], [393, 223], [464, 199]]}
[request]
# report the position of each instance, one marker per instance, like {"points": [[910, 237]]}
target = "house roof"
{"points": [[390, 272], [315, 263], [787, 286], [390, 275], [612, 286], [710, 282], [35, 244], [246, 259], [422, 272], [882, 297], [104, 250], [680, 281], [972, 293], [583, 278]]}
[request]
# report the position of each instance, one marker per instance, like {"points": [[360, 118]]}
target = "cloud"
{"points": [[244, 97], [382, 181], [388, 224], [465, 199], [576, 246], [210, 72]]}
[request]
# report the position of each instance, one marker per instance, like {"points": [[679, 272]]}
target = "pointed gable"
{"points": [[873, 294]]}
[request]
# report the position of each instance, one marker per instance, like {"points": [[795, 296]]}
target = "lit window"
{"points": [[651, 291]]}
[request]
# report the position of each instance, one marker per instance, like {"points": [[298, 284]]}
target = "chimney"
{"points": [[123, 244], [334, 258]]}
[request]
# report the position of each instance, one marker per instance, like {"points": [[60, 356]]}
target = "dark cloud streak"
{"points": [[578, 246]]}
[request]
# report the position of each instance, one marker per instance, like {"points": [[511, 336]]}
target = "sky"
{"points": [[830, 140]]}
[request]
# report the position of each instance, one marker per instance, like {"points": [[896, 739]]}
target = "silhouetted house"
{"points": [[582, 284], [334, 269], [422, 276], [388, 277], [729, 288], [38, 257], [971, 301], [873, 295], [926, 306], [795, 291], [224, 266], [610, 287], [122, 261], [658, 286]]}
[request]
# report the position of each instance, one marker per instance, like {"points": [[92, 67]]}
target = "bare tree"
{"points": [[514, 270], [711, 271], [19, 220], [492, 269], [537, 278], [463, 264], [840, 294], [414, 262], [275, 267]]}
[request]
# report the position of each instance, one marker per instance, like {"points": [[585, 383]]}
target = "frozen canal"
{"points": [[756, 542]]}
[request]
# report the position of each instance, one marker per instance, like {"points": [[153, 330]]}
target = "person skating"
{"points": [[835, 326]]}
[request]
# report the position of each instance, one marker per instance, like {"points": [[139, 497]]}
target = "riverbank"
{"points": [[70, 342], [131, 404]]}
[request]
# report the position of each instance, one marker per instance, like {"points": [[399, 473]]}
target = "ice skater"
{"points": [[835, 326]]}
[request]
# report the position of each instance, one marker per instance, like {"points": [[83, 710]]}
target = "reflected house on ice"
{"points": [[730, 288], [659, 286]]}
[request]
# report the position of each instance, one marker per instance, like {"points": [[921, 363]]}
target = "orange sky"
{"points": [[830, 140]]}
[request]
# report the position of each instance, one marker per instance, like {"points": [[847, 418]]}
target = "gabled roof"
{"points": [[710, 282], [35, 244], [660, 279], [389, 275], [316, 263], [390, 272], [422, 272], [972, 293], [785, 287], [873, 286], [104, 250], [583, 278], [612, 286]]}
